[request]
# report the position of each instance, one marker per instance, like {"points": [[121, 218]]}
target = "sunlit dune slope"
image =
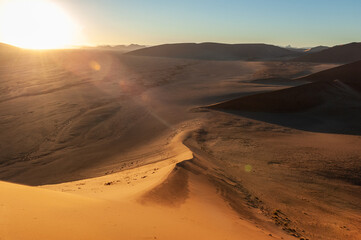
{"points": [[72, 114], [163, 200], [66, 110]]}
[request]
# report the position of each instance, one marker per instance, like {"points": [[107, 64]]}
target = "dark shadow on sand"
{"points": [[346, 123]]}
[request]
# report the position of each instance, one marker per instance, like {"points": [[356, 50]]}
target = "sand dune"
{"points": [[66, 114], [294, 99], [126, 153], [343, 81], [349, 74], [9, 53], [332, 100], [306, 183], [118, 205], [216, 51], [339, 54], [72, 109], [4, 48]]}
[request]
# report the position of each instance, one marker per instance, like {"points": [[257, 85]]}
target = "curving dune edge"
{"points": [[169, 199]]}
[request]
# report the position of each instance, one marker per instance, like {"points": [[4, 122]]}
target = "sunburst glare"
{"points": [[36, 24]]}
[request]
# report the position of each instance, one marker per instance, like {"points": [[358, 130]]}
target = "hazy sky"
{"points": [[279, 22]]}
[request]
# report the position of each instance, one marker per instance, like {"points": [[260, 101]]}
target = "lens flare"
{"points": [[95, 65], [248, 168]]}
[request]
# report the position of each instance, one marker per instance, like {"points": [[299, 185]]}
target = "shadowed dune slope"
{"points": [[349, 74], [216, 51], [339, 54], [341, 83]]}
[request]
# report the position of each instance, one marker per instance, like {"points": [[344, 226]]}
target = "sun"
{"points": [[36, 24]]}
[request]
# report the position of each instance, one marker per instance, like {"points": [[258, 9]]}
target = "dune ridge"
{"points": [[216, 51], [128, 153], [341, 83], [116, 205], [346, 53]]}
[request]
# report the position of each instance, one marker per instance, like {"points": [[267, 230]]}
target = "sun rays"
{"points": [[36, 24]]}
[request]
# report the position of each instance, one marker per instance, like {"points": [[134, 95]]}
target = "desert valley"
{"points": [[180, 141]]}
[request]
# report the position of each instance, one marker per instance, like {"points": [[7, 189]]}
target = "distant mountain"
{"points": [[342, 83], [121, 48], [339, 54], [307, 50], [316, 49], [289, 47], [217, 51], [131, 47]]}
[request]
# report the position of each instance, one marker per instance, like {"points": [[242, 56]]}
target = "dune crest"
{"points": [[216, 51], [109, 208], [346, 53]]}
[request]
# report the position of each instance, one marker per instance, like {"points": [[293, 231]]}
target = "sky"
{"points": [[300, 23]]}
